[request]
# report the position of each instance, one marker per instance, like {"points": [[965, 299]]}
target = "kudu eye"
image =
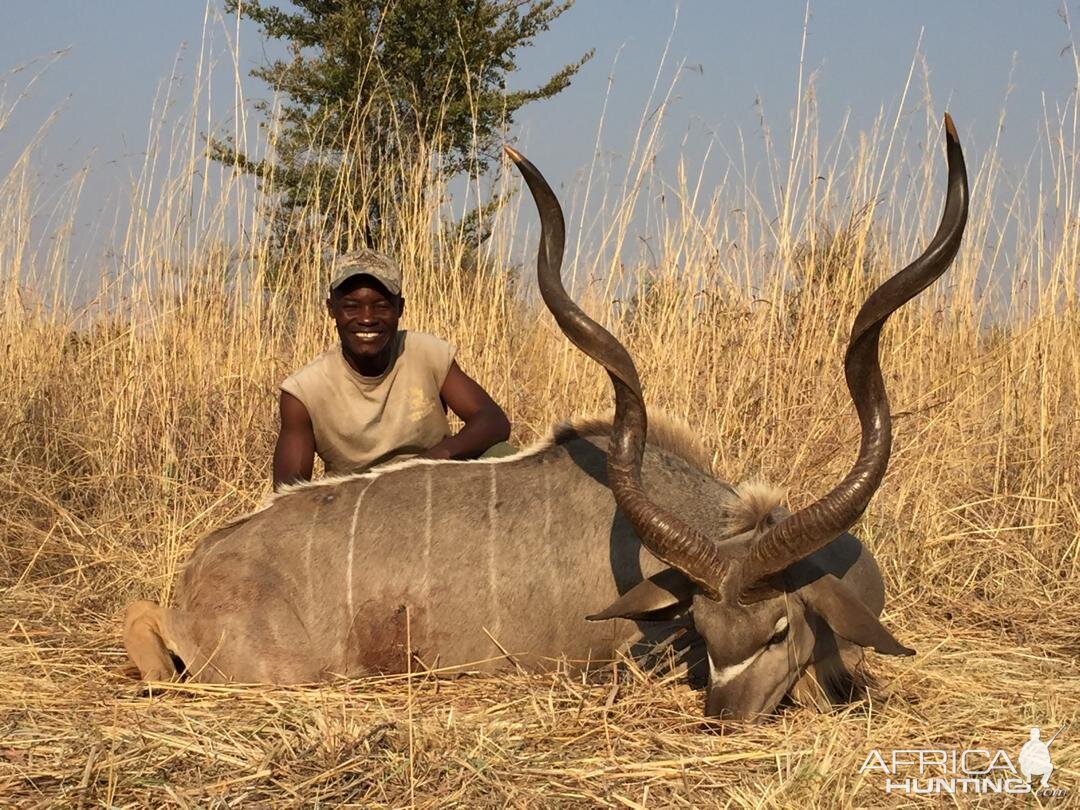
{"points": [[780, 633]]}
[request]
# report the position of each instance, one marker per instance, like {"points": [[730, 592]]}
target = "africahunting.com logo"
{"points": [[927, 771]]}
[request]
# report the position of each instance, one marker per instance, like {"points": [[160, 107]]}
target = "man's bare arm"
{"points": [[485, 422], [294, 454]]}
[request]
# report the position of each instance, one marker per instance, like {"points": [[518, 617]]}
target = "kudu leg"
{"points": [[144, 640]]}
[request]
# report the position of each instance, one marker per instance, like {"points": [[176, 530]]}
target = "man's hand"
{"points": [[485, 422], [294, 455]]}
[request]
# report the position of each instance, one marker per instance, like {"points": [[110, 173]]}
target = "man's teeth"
{"points": [[366, 335]]}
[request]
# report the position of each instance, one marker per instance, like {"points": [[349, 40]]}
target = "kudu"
{"points": [[451, 565]]}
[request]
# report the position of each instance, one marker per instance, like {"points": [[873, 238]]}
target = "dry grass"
{"points": [[130, 427]]}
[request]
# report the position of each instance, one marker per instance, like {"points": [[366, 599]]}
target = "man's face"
{"points": [[366, 315]]}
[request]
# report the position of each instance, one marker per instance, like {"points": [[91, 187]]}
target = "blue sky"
{"points": [[734, 54]]}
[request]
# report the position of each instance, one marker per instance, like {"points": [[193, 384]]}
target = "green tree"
{"points": [[376, 91]]}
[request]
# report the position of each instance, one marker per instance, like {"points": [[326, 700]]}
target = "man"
{"points": [[381, 394]]}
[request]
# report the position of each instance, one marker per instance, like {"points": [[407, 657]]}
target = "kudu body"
{"points": [[467, 564]]}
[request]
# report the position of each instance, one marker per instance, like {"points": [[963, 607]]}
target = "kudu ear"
{"points": [[663, 591], [848, 617]]}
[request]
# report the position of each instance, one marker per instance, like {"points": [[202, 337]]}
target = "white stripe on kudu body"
{"points": [[432, 616], [493, 532], [349, 563], [308, 551], [551, 549]]}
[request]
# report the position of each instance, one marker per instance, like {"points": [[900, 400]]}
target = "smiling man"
{"points": [[382, 393]]}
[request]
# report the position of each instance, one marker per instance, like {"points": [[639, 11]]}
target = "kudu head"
{"points": [[757, 592]]}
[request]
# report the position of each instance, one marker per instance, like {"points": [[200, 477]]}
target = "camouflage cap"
{"points": [[367, 263]]}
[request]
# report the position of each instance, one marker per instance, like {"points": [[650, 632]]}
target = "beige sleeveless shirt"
{"points": [[360, 422]]}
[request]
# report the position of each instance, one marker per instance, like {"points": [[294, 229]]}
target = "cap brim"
{"points": [[393, 287]]}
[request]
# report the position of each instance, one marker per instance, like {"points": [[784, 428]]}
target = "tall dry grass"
{"points": [[132, 423]]}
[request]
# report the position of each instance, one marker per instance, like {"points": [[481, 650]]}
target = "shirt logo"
{"points": [[418, 404]]}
